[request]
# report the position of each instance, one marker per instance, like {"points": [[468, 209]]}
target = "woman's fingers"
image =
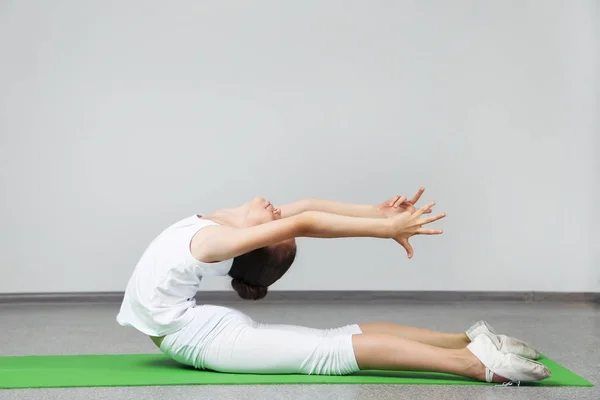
{"points": [[417, 196], [407, 247], [428, 220], [423, 231], [398, 201], [424, 209]]}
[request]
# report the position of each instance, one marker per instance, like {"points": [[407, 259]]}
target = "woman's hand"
{"points": [[400, 204], [406, 225]]}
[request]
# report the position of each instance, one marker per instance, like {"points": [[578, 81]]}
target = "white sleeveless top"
{"points": [[164, 282]]}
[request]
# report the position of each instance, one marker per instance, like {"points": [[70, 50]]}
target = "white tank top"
{"points": [[164, 282]]}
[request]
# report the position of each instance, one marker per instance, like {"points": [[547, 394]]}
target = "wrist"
{"points": [[377, 211], [388, 227]]}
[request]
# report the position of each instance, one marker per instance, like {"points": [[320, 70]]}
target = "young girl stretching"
{"points": [[255, 245]]}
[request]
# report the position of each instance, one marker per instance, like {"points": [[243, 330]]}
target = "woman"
{"points": [[254, 244]]}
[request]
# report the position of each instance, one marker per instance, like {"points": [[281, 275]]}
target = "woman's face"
{"points": [[260, 211]]}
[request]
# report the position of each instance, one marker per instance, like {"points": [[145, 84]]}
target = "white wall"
{"points": [[117, 118]]}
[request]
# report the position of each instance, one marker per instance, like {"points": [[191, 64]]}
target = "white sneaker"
{"points": [[509, 366], [505, 344]]}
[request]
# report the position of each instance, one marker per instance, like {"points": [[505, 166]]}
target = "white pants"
{"points": [[226, 340]]}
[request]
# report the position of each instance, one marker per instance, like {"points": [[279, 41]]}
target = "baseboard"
{"points": [[320, 296]]}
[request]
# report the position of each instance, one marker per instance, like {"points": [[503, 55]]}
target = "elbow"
{"points": [[304, 224], [303, 205], [295, 208], [307, 203]]}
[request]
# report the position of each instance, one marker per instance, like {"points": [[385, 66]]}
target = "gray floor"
{"points": [[568, 333]]}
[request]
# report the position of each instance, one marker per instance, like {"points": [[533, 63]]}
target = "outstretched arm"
{"points": [[391, 207], [330, 206], [218, 243]]}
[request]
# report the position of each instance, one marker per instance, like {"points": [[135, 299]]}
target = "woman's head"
{"points": [[254, 212], [258, 211], [255, 271]]}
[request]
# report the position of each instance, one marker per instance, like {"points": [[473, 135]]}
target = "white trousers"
{"points": [[227, 340]]}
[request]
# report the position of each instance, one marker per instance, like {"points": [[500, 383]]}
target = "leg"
{"points": [[426, 336], [388, 352], [504, 343], [265, 350], [343, 330], [444, 340], [229, 342], [244, 346]]}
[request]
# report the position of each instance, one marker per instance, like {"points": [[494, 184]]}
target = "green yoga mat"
{"points": [[158, 370]]}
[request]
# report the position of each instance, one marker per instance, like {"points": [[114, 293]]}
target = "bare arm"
{"points": [[395, 205], [332, 207], [218, 243]]}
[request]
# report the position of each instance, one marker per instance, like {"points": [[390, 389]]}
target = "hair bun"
{"points": [[247, 291]]}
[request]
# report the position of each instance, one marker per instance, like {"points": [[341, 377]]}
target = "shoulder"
{"points": [[205, 230], [186, 236]]}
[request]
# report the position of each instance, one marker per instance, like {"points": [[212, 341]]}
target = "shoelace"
{"points": [[510, 383], [489, 377]]}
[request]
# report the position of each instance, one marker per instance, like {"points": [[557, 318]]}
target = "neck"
{"points": [[227, 217]]}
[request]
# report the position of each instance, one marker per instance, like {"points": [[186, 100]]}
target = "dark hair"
{"points": [[253, 272]]}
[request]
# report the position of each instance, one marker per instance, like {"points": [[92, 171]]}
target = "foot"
{"points": [[502, 367], [505, 344]]}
